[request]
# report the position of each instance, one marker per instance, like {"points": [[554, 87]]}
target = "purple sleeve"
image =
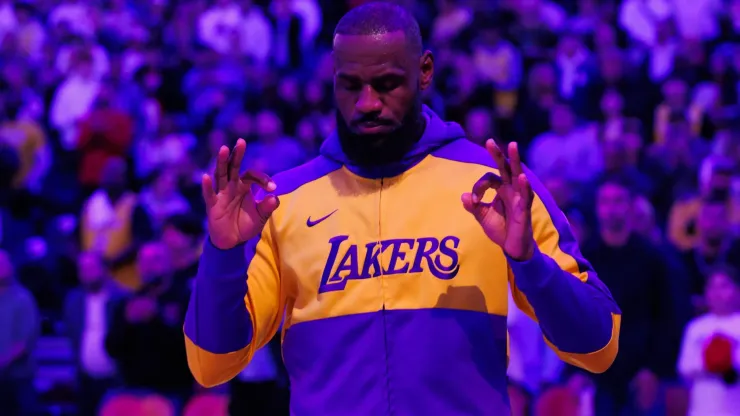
{"points": [[574, 315], [217, 319]]}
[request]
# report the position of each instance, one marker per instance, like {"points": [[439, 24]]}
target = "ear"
{"points": [[426, 70]]}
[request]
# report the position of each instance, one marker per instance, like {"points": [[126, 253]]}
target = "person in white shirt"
{"points": [[714, 391]]}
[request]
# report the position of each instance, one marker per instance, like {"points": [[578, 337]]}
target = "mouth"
{"points": [[372, 127]]}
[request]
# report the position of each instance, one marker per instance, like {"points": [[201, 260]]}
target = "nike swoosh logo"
{"points": [[313, 223]]}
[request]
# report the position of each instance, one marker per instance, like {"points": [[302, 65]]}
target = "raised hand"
{"points": [[234, 216], [507, 220]]}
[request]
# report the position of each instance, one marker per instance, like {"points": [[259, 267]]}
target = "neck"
{"points": [[615, 238]]}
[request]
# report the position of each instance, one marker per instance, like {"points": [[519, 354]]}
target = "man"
{"points": [[638, 274], [88, 312], [393, 299], [19, 328], [145, 336]]}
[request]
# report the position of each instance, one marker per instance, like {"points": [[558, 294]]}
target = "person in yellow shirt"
{"points": [[27, 138]]}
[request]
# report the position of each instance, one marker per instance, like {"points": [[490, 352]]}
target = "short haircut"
{"points": [[620, 180], [379, 18]]}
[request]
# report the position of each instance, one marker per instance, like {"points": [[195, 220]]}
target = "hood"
{"points": [[436, 134]]}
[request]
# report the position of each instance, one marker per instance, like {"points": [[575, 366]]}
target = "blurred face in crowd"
{"points": [[166, 184], [604, 36], [154, 263], [91, 271], [378, 82], [611, 66], [722, 294], [562, 120], [176, 240], [613, 207], [288, 90], [314, 93], [269, 126], [559, 189], [713, 222], [478, 125], [569, 45], [674, 92], [678, 134], [611, 104], [615, 155], [6, 269]]}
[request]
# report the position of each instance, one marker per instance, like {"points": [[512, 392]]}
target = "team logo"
{"points": [[406, 255]]}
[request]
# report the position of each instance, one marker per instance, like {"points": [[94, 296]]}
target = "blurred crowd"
{"points": [[111, 110]]}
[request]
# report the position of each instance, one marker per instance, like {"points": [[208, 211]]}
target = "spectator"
{"points": [[710, 351], [114, 224], [636, 273], [19, 329], [88, 312], [162, 198], [27, 138], [274, 152], [145, 337], [105, 133]]}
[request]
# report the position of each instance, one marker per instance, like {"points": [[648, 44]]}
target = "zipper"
{"points": [[382, 294]]}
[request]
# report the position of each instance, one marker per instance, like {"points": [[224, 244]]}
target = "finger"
{"points": [[267, 206], [501, 162], [525, 188], [478, 210], [262, 179], [488, 181], [209, 195], [235, 159], [515, 160], [221, 174]]}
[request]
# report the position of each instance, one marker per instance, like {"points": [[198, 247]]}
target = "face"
{"points": [[713, 221], [613, 207], [153, 262], [176, 240], [288, 90], [675, 93], [377, 87], [722, 294], [478, 126], [166, 183], [643, 219], [611, 103], [91, 270], [268, 125], [114, 175]]}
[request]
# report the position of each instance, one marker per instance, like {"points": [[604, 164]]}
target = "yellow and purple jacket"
{"points": [[392, 299]]}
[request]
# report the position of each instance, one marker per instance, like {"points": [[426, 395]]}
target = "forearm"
{"points": [[218, 325], [578, 318]]}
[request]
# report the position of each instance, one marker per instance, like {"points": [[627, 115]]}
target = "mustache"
{"points": [[372, 118]]}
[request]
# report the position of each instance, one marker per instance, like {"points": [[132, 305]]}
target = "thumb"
{"points": [[267, 206], [467, 201]]}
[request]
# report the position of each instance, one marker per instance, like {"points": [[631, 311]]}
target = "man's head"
{"points": [[562, 119], [614, 203], [6, 269], [154, 263], [723, 291], [182, 232], [91, 271], [380, 70]]}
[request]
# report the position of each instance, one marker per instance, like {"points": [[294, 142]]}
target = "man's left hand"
{"points": [[507, 220]]}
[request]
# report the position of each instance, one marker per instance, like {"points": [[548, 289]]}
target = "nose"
{"points": [[368, 101]]}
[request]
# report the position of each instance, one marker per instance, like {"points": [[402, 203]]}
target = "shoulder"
{"points": [[291, 180], [465, 151]]}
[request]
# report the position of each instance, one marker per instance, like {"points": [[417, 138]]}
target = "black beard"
{"points": [[370, 150]]}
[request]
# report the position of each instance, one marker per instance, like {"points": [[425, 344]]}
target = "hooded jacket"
{"points": [[393, 300]]}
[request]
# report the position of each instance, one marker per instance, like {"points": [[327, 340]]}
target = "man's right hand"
{"points": [[234, 216]]}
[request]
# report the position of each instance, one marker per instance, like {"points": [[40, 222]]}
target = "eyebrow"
{"points": [[390, 72]]}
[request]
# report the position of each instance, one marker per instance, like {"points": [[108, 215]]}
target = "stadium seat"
{"points": [[207, 405]]}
